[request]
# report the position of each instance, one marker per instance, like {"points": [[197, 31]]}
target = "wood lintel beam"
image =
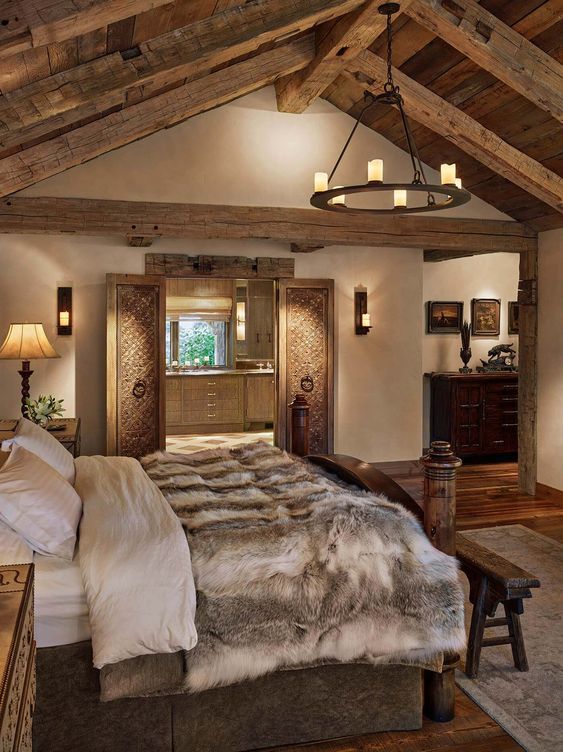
{"points": [[305, 227]]}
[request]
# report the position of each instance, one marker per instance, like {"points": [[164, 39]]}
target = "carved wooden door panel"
{"points": [[136, 316], [305, 358]]}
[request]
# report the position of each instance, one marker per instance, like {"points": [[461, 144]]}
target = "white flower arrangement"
{"points": [[43, 409]]}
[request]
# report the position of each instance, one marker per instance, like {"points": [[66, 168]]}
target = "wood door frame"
{"points": [[112, 283], [281, 423]]}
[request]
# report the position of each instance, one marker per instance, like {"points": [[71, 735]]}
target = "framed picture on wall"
{"points": [[444, 317], [513, 324], [485, 317]]}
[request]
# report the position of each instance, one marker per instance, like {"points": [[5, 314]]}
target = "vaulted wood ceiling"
{"points": [[482, 82]]}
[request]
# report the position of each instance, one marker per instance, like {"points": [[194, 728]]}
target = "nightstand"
{"points": [[17, 657], [65, 430]]}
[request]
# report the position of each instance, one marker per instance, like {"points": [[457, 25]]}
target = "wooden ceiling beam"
{"points": [[33, 23], [485, 39], [304, 227], [61, 99], [337, 45], [443, 118], [57, 154]]}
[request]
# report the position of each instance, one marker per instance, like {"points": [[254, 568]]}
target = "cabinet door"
{"points": [[469, 416], [500, 428], [305, 358], [136, 306], [260, 320], [259, 398]]}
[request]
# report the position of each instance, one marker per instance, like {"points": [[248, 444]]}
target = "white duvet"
{"points": [[135, 563]]}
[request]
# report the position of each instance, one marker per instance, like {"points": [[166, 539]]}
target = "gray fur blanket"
{"points": [[293, 567]]}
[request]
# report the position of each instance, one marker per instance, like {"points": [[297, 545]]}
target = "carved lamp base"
{"points": [[25, 373]]}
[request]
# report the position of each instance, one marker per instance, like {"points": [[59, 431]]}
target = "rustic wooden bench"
{"points": [[493, 580]]}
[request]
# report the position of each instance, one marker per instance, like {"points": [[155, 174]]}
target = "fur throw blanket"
{"points": [[293, 567]]}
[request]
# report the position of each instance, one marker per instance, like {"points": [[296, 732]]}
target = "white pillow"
{"points": [[39, 504], [13, 548], [39, 441]]}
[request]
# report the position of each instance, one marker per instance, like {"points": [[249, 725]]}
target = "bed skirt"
{"points": [[286, 707]]}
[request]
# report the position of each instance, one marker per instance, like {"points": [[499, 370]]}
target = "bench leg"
{"points": [[478, 618], [517, 636]]}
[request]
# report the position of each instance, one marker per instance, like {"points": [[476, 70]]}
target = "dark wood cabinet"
{"points": [[477, 413]]}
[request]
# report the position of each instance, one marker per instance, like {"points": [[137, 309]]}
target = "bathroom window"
{"points": [[192, 342]]}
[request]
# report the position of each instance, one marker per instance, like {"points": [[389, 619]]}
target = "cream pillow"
{"points": [[35, 439], [39, 504]]}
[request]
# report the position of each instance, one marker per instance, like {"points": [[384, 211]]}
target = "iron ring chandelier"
{"points": [[450, 192]]}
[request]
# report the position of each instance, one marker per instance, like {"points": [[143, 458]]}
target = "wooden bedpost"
{"points": [[440, 468], [299, 429]]}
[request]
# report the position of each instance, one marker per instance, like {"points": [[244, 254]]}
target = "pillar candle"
{"points": [[375, 170], [447, 174], [321, 181], [400, 197]]}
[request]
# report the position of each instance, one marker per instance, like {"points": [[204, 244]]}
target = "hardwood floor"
{"points": [[487, 495]]}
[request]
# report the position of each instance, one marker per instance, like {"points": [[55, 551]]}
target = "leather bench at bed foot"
{"points": [[493, 580]]}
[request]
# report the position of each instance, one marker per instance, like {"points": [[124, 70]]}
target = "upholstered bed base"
{"points": [[286, 707]]}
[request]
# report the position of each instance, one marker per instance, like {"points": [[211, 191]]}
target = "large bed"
{"points": [[252, 681]]}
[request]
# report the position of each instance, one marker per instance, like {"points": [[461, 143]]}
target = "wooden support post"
{"points": [[440, 467], [299, 438], [527, 371]]}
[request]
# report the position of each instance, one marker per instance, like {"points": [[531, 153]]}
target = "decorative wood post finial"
{"points": [[440, 468], [299, 436]]}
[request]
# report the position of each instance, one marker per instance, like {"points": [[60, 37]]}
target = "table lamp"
{"points": [[26, 342]]}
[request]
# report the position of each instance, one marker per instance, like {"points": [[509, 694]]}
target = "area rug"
{"points": [[528, 705]]}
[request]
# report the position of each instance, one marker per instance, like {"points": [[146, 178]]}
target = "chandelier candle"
{"points": [[399, 197], [321, 181], [375, 171], [447, 174]]}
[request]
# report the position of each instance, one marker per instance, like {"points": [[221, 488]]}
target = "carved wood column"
{"points": [[527, 371]]}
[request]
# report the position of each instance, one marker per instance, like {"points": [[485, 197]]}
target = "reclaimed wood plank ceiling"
{"points": [[115, 60]]}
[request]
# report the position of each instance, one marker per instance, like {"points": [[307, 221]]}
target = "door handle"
{"points": [[139, 389]]}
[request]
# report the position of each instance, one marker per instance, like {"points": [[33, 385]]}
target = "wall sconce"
{"points": [[362, 318], [64, 310], [241, 321]]}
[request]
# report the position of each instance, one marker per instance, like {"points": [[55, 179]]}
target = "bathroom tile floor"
{"points": [[189, 444]]}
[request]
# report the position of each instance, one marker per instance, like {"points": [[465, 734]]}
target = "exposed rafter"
{"points": [[86, 90], [462, 130], [119, 128], [31, 23], [496, 47], [337, 45], [305, 227]]}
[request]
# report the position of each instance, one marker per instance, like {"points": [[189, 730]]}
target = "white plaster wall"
{"points": [[242, 153], [488, 276], [550, 359]]}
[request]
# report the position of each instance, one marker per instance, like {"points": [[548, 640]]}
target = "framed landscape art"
{"points": [[485, 317], [444, 317], [513, 324]]}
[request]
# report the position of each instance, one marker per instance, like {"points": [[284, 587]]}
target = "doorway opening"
{"points": [[220, 363]]}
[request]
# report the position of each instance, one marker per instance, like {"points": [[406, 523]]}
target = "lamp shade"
{"points": [[27, 342]]}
